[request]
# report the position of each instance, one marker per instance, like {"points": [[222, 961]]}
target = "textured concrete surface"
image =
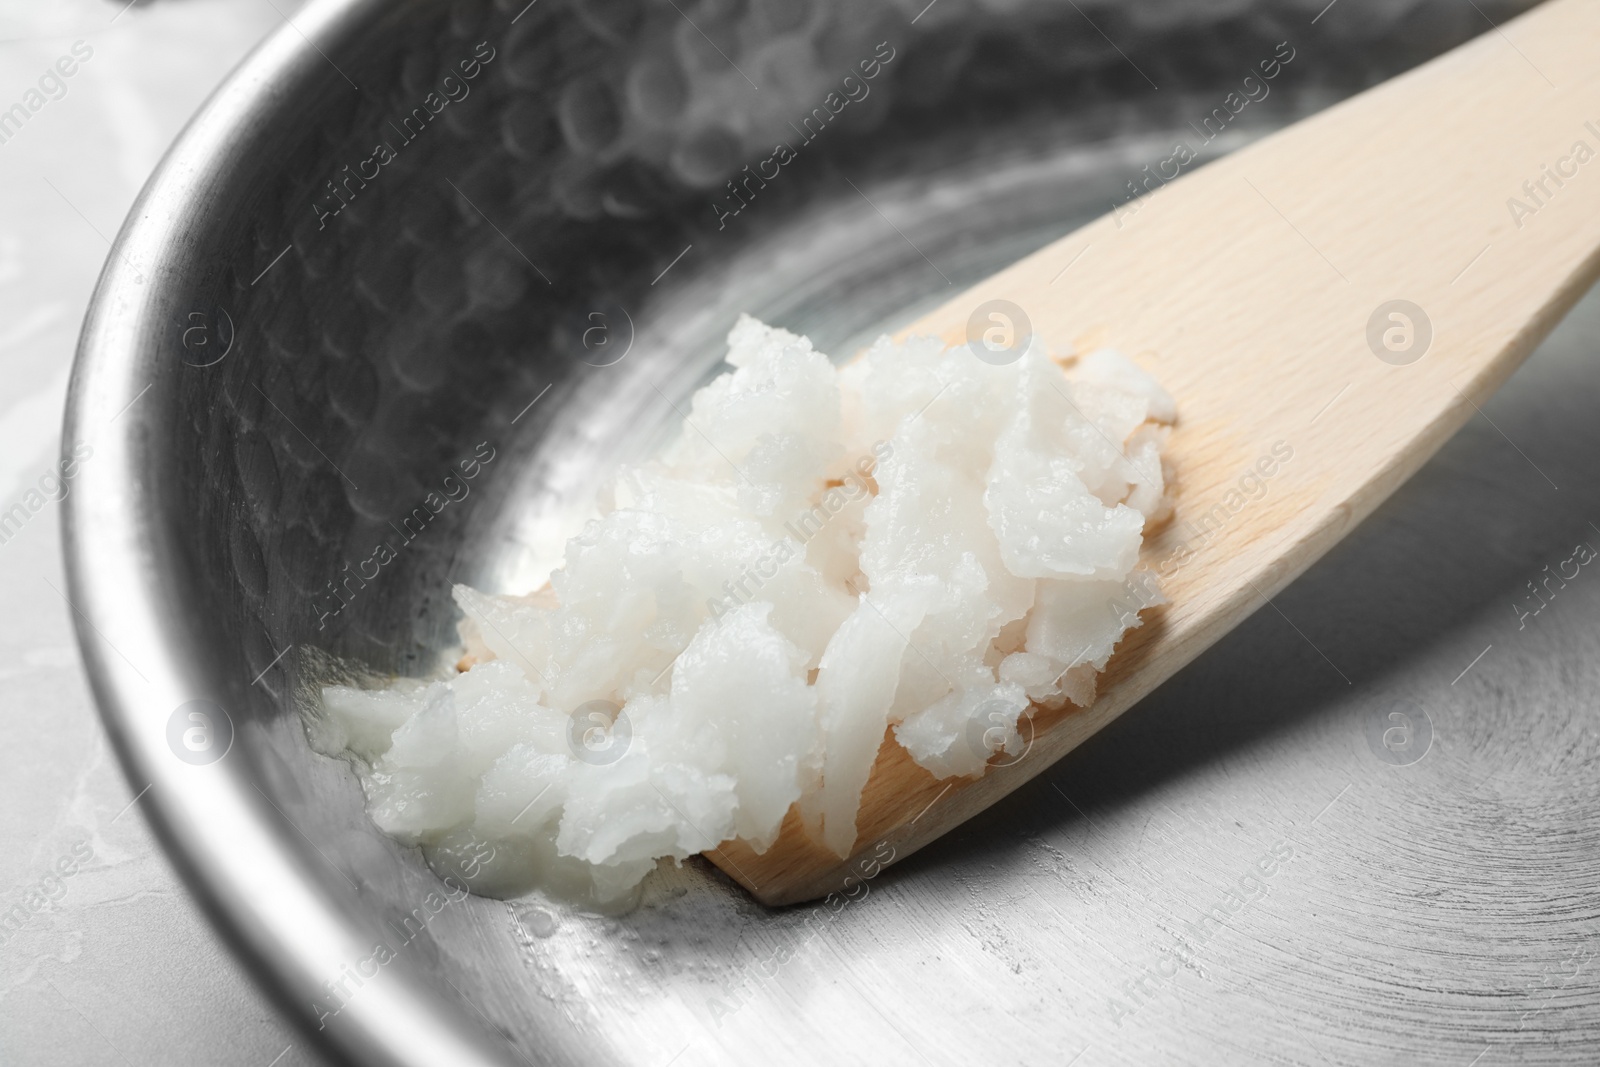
{"points": [[117, 965]]}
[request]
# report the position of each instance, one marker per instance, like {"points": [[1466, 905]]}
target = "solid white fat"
{"points": [[919, 540]]}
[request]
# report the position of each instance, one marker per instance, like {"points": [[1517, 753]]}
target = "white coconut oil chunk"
{"points": [[918, 548]]}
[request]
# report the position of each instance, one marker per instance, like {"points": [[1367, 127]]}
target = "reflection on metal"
{"points": [[1240, 875]]}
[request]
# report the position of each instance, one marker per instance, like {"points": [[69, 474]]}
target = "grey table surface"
{"points": [[121, 966]]}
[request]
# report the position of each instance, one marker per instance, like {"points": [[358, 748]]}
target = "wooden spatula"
{"points": [[1327, 305]]}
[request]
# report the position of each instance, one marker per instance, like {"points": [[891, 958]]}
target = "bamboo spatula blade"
{"points": [[1328, 306]]}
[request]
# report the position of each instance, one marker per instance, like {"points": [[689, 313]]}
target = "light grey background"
{"points": [[1433, 909], [122, 967]]}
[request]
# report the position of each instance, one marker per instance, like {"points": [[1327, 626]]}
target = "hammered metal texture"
{"points": [[386, 325]]}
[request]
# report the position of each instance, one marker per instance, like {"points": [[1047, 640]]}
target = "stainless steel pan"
{"points": [[1361, 829]]}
